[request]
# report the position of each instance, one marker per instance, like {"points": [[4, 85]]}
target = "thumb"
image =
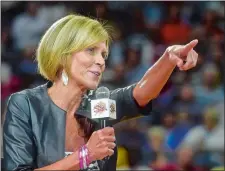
{"points": [[176, 60]]}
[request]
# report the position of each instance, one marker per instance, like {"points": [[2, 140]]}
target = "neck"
{"points": [[65, 96]]}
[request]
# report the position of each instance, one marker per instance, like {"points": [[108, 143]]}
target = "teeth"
{"points": [[96, 73]]}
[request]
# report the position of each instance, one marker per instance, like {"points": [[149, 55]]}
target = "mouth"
{"points": [[95, 73]]}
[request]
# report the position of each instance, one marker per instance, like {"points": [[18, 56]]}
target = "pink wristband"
{"points": [[84, 160], [80, 158], [87, 155]]}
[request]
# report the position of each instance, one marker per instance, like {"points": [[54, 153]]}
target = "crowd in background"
{"points": [[186, 127]]}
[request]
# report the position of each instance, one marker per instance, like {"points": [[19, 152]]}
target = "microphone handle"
{"points": [[103, 123]]}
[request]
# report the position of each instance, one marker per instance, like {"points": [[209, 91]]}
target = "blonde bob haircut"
{"points": [[66, 36]]}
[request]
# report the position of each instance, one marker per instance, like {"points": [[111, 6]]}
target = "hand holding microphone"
{"points": [[101, 144]]}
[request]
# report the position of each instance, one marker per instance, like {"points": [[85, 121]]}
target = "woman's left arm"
{"points": [[182, 56], [136, 100]]}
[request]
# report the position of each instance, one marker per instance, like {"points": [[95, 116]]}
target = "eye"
{"points": [[91, 50], [105, 55]]}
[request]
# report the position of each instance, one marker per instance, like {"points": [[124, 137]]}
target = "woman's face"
{"points": [[88, 65]]}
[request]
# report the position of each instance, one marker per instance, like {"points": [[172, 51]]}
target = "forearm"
{"points": [[69, 163], [153, 81]]}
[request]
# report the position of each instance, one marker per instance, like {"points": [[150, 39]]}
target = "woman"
{"points": [[45, 123]]}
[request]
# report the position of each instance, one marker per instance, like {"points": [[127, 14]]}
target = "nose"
{"points": [[99, 60]]}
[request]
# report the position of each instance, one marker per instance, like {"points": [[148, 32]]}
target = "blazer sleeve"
{"points": [[19, 150], [126, 105]]}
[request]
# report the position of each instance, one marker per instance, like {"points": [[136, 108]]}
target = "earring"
{"points": [[64, 78]]}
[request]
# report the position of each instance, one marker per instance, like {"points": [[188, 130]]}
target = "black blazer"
{"points": [[34, 127]]}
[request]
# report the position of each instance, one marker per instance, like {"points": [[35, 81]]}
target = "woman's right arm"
{"points": [[69, 163], [19, 151], [19, 147], [100, 145]]}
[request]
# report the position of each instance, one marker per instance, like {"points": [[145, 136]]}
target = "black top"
{"points": [[34, 127]]}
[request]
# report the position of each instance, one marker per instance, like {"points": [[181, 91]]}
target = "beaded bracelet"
{"points": [[84, 160]]}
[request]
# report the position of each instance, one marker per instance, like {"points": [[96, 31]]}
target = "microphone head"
{"points": [[102, 92]]}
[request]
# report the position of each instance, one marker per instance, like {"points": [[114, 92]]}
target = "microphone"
{"points": [[102, 107]]}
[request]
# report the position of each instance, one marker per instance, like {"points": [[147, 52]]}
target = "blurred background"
{"points": [[186, 127]]}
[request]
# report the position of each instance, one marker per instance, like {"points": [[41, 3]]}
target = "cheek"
{"points": [[84, 60], [103, 68], [80, 63]]}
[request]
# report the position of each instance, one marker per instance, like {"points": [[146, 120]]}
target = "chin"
{"points": [[92, 85]]}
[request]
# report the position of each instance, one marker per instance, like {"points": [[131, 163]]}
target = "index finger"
{"points": [[188, 47], [108, 131]]}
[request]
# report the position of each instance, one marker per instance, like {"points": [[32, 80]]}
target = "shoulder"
{"points": [[127, 89], [28, 93], [116, 94], [24, 97], [21, 103]]}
